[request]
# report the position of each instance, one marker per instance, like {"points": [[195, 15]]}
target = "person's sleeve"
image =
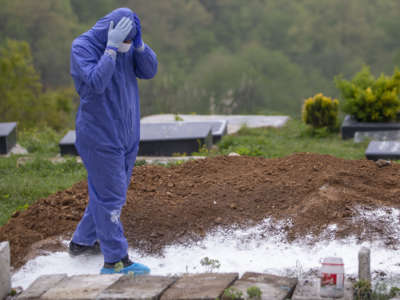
{"points": [[95, 73], [145, 62]]}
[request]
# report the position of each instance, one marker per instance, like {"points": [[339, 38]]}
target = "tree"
{"points": [[20, 85], [301, 46], [49, 27], [21, 95]]}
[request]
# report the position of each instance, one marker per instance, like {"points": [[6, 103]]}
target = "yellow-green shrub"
{"points": [[371, 100], [321, 111]]}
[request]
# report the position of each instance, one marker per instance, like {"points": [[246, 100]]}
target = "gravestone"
{"points": [[235, 122], [8, 136], [165, 139], [383, 150], [350, 126], [67, 144], [388, 135], [364, 264], [219, 128]]}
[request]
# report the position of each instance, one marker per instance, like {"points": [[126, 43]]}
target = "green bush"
{"points": [[40, 140], [368, 99], [254, 292], [232, 294], [321, 112]]}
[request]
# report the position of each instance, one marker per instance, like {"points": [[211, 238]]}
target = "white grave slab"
{"points": [[235, 122]]}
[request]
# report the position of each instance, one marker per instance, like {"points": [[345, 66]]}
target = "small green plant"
{"points": [[13, 292], [362, 290], [254, 293], [368, 99], [203, 151], [131, 274], [140, 162], [178, 154], [22, 207], [178, 118], [118, 266], [232, 293], [210, 264], [394, 291], [321, 112]]}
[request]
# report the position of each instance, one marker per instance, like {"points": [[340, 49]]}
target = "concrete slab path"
{"points": [[134, 288], [200, 286], [205, 286], [41, 285], [272, 287], [82, 287]]}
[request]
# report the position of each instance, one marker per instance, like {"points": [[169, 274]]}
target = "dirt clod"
{"points": [[181, 204], [383, 163]]}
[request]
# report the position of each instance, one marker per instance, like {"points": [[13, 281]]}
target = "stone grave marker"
{"points": [[350, 126], [383, 150], [67, 144], [8, 136], [388, 135], [165, 139], [235, 122], [219, 128], [364, 264]]}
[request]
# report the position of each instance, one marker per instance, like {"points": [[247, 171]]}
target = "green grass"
{"points": [[21, 184], [294, 137], [24, 179]]}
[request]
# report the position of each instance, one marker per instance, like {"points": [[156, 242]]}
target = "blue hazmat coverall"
{"points": [[107, 129]]}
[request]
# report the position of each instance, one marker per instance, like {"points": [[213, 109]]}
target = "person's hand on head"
{"points": [[137, 41], [117, 34]]}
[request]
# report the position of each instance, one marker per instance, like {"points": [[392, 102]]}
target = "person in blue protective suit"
{"points": [[105, 62]]}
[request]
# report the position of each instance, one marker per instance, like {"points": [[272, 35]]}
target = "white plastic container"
{"points": [[332, 277]]}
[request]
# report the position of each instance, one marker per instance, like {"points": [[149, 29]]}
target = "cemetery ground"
{"points": [[26, 178], [311, 188]]}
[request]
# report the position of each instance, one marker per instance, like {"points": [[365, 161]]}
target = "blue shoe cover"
{"points": [[135, 268]]}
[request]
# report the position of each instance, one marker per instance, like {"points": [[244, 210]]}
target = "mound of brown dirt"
{"points": [[181, 204]]}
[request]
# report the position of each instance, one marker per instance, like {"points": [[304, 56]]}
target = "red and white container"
{"points": [[332, 277]]}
